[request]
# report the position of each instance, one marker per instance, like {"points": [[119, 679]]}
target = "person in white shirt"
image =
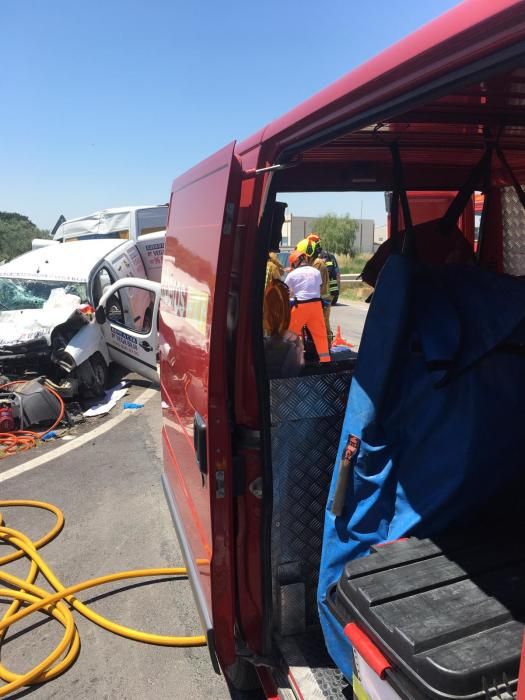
{"points": [[304, 282]]}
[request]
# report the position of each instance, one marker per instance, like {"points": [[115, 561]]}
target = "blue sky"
{"points": [[105, 102]]}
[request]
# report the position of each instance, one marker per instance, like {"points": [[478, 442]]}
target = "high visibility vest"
{"points": [[333, 286]]}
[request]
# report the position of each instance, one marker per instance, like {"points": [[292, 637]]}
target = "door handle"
{"points": [[146, 346], [199, 442]]}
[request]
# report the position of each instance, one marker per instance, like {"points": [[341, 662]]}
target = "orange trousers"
{"points": [[311, 315]]}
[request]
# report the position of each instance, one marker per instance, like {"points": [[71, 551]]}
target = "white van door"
{"points": [[126, 261], [128, 312], [151, 249]]}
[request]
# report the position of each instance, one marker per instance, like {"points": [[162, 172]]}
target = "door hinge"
{"points": [[199, 443], [219, 483], [252, 172], [228, 219]]}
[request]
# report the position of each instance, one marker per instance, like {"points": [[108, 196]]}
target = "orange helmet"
{"points": [[296, 256]]}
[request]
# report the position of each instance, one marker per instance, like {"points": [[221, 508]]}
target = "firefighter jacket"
{"points": [[274, 269], [325, 277], [333, 286]]}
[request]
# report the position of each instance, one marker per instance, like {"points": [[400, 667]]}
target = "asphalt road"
{"points": [[116, 518], [350, 316]]}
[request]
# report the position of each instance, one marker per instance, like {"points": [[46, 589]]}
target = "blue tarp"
{"points": [[438, 401]]}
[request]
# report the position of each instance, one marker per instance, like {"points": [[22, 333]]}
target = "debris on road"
{"points": [[33, 403], [32, 413], [7, 418], [133, 406], [74, 413], [112, 396], [26, 404]]}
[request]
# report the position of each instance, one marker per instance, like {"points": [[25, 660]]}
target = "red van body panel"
{"points": [[193, 377]]}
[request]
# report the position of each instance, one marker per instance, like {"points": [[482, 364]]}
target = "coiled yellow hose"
{"points": [[27, 598]]}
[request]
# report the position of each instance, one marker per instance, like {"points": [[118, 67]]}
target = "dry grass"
{"points": [[352, 265], [355, 292]]}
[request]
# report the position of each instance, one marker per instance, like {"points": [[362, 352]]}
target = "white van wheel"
{"points": [[100, 373]]}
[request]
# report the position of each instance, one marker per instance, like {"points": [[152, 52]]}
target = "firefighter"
{"points": [[274, 283], [333, 286], [311, 246], [274, 269], [304, 282]]}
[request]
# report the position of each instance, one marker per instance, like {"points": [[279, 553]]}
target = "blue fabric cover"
{"points": [[440, 413]]}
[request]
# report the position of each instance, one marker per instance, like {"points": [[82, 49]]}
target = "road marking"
{"points": [[77, 442]]}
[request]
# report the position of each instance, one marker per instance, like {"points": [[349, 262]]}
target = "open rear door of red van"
{"points": [[193, 367]]}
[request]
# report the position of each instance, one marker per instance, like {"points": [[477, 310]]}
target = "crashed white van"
{"points": [[47, 302], [121, 222]]}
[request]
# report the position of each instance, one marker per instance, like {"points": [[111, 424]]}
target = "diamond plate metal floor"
{"points": [[311, 667], [513, 241], [306, 415]]}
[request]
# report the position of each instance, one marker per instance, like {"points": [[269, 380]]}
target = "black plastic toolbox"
{"points": [[446, 613]]}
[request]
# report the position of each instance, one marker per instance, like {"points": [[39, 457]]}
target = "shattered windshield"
{"points": [[17, 293]]}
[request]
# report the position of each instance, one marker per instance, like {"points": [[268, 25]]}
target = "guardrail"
{"points": [[351, 277]]}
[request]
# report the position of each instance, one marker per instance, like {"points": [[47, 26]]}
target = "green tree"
{"points": [[337, 233], [16, 233]]}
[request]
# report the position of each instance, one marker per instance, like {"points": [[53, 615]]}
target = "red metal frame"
{"points": [[268, 685], [247, 415], [426, 206], [521, 682]]}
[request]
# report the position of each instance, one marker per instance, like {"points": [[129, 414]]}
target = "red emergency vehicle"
{"points": [[249, 527]]}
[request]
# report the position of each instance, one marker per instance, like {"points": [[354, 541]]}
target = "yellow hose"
{"points": [[28, 598]]}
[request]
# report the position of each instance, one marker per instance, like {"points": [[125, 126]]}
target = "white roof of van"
{"points": [[103, 222], [69, 262]]}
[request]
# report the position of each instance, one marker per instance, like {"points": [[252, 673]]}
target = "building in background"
{"points": [[295, 228], [380, 235], [364, 236]]}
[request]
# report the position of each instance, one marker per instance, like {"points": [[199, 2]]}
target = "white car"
{"points": [[48, 297]]}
